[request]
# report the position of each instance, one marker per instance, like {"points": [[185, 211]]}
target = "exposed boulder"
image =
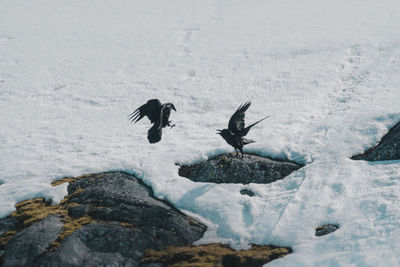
{"points": [[326, 229], [247, 192], [387, 149], [121, 197], [228, 168], [106, 219], [30, 243]]}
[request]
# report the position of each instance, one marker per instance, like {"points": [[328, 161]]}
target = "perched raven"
{"points": [[236, 131], [158, 114]]}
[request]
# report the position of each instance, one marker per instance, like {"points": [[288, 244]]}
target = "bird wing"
{"points": [[246, 130], [151, 109], [236, 123]]}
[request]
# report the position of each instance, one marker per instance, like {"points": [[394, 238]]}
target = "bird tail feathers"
{"points": [[154, 133]]}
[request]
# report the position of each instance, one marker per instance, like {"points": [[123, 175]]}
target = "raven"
{"points": [[158, 114], [236, 131]]}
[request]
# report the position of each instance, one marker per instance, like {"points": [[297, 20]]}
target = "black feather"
{"points": [[236, 131], [157, 113]]}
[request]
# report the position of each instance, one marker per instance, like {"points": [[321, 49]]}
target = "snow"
{"points": [[327, 72]]}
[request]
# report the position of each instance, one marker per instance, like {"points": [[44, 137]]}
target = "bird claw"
{"points": [[172, 126]]}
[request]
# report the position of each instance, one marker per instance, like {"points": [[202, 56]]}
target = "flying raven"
{"points": [[236, 131], [158, 114]]}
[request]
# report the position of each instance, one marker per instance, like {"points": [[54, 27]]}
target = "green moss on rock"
{"points": [[212, 255]]}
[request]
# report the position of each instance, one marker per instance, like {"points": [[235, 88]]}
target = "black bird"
{"points": [[236, 131], [158, 114]]}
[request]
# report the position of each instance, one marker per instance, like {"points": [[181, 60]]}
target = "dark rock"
{"points": [[107, 219], [120, 197], [8, 224], [8, 227], [247, 192], [326, 229], [228, 168], [387, 149], [24, 248], [100, 245], [78, 211]]}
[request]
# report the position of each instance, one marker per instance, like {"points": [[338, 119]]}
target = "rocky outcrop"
{"points": [[113, 219], [228, 168], [106, 219], [387, 149], [326, 229], [213, 255]]}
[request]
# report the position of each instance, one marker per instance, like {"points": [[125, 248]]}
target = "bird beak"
{"points": [[173, 107]]}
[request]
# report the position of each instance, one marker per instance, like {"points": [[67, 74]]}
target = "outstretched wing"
{"points": [[236, 123], [246, 130], [151, 109]]}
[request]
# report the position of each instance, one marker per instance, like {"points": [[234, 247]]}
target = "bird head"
{"points": [[171, 106], [223, 132]]}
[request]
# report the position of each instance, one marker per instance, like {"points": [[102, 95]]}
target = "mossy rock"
{"points": [[214, 255], [107, 218]]}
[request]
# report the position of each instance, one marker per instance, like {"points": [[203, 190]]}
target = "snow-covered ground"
{"points": [[327, 71]]}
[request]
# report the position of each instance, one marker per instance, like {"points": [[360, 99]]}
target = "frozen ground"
{"points": [[327, 71]]}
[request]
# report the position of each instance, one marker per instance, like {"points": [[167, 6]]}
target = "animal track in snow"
{"points": [[248, 217], [184, 38], [354, 76]]}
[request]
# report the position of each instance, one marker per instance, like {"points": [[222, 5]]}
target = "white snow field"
{"points": [[328, 72]]}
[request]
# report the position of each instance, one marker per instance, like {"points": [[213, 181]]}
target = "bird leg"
{"points": [[241, 151], [169, 124]]}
